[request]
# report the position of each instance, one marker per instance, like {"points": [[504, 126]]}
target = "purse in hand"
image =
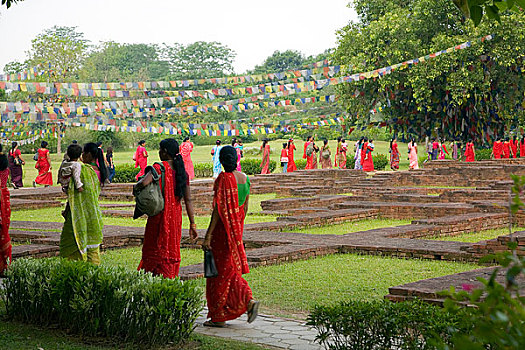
{"points": [[210, 270]]}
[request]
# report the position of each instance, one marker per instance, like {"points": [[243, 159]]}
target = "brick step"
{"points": [[464, 218], [118, 213], [24, 236], [21, 204], [36, 225], [34, 251], [118, 196], [121, 205], [291, 203]]}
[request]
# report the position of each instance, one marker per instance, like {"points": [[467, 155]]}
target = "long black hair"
{"points": [[228, 158], [96, 153], [265, 142], [171, 146], [13, 145], [43, 144], [3, 160]]}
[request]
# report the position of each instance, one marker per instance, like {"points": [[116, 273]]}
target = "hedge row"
{"points": [[385, 325], [101, 301]]}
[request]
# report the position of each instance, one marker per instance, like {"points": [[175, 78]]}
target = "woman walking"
{"points": [[342, 154], [82, 231], [442, 150], [161, 248], [470, 153], [237, 144], [111, 165], [308, 153], [412, 155], [514, 146], [185, 150], [265, 164], [141, 158], [5, 214], [228, 295], [368, 160], [454, 147], [522, 147], [394, 155], [326, 154], [215, 159], [291, 162], [43, 164], [337, 152], [284, 158], [15, 165], [357, 157]]}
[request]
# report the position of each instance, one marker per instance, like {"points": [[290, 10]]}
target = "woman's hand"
{"points": [[206, 245], [193, 233]]}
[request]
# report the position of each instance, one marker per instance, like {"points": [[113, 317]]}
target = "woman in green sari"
{"points": [[82, 232]]}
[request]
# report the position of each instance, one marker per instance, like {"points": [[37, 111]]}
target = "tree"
{"points": [[14, 67], [472, 93], [62, 47], [281, 61], [199, 60], [8, 3], [476, 9], [114, 62]]}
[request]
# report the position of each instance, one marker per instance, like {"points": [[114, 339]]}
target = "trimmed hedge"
{"points": [[203, 169], [253, 166], [125, 173], [381, 161], [101, 301], [385, 325], [483, 154]]}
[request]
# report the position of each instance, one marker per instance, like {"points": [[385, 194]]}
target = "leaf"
{"points": [[493, 12], [521, 3], [476, 13]]}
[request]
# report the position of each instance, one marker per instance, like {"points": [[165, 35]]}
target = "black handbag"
{"points": [[210, 270]]}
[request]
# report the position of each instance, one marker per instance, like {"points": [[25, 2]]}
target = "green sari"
{"points": [[82, 232]]}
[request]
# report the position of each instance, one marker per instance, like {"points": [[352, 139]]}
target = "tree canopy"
{"points": [[472, 93]]}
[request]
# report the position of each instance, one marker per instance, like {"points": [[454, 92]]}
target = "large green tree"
{"points": [[472, 93], [199, 60], [114, 62], [281, 61], [63, 47]]}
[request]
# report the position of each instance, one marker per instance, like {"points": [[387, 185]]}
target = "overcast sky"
{"points": [[253, 28]]}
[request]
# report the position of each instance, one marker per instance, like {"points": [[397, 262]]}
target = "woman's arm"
{"points": [[191, 216], [206, 245], [246, 205]]}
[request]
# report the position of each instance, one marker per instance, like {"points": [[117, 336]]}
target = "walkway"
{"points": [[265, 330]]}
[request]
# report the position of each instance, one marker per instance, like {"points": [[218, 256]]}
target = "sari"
{"points": [[238, 148], [337, 151], [522, 149], [185, 149], [514, 148], [228, 295], [368, 160], [497, 149], [469, 152], [42, 164], [265, 164], [291, 162], [217, 167], [81, 235], [506, 150], [412, 156], [141, 160], [5, 217], [16, 170], [442, 151], [161, 248], [357, 157], [394, 157], [455, 151], [309, 158], [342, 156], [326, 162]]}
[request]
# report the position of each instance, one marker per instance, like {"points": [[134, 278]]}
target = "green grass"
{"points": [[354, 226], [129, 258], [19, 336], [295, 288], [201, 154], [474, 237]]}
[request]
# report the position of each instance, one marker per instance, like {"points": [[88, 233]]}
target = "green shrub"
{"points": [[203, 169], [300, 164], [381, 161], [253, 166], [125, 173], [385, 325], [350, 161], [483, 154], [101, 301]]}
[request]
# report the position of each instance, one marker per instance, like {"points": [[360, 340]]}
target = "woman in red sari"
{"points": [[43, 164], [342, 154], [5, 214], [394, 155], [161, 248], [506, 149], [309, 152], [522, 147], [141, 158], [185, 150], [368, 159], [291, 162], [514, 146], [337, 152], [265, 164], [470, 153], [228, 295]]}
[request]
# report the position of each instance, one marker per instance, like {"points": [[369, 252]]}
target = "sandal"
{"points": [[214, 324], [253, 311]]}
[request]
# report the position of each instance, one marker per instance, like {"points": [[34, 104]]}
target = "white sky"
{"points": [[253, 28]]}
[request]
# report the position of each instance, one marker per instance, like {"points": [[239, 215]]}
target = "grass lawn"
{"points": [[19, 336], [201, 154], [349, 227], [129, 258], [474, 237]]}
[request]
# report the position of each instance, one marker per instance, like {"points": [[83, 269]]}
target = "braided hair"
{"points": [[171, 146]]}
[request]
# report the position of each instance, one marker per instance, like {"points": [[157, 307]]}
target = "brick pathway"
{"points": [[265, 330]]}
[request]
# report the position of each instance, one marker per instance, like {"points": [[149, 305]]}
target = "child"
{"points": [[284, 157], [70, 168]]}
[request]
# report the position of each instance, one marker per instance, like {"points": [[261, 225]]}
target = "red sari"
{"points": [[185, 149], [469, 152], [141, 160], [522, 149], [5, 217], [228, 295], [43, 165], [506, 150], [310, 158], [497, 149], [291, 162], [265, 164], [161, 248], [367, 161], [342, 155], [514, 148]]}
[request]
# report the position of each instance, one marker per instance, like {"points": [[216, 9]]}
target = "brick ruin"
{"points": [[446, 198]]}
